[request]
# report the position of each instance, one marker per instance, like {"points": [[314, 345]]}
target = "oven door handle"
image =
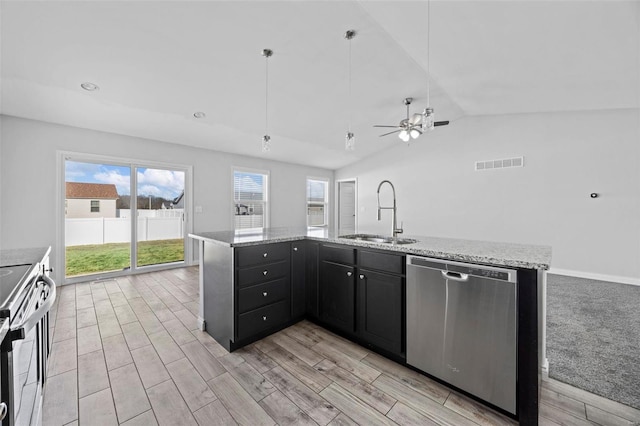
{"points": [[20, 331]]}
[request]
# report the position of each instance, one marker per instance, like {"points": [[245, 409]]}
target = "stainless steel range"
{"points": [[26, 296]]}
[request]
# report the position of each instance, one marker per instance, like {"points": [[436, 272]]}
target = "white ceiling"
{"points": [[159, 62]]}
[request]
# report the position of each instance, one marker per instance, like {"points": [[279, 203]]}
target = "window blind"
{"points": [[250, 200]]}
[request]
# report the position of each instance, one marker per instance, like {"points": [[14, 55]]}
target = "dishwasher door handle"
{"points": [[455, 276]]}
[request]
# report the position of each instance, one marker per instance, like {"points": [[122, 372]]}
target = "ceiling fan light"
{"points": [[350, 142], [414, 133], [404, 136]]}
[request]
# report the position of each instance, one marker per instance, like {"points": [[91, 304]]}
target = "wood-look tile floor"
{"points": [[127, 351]]}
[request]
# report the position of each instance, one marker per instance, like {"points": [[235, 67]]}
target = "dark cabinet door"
{"points": [[298, 278], [337, 295], [380, 309], [312, 279]]}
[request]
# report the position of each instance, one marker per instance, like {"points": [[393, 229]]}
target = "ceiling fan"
{"points": [[413, 126]]}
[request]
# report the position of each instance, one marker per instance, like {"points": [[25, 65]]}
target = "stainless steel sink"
{"points": [[378, 239]]}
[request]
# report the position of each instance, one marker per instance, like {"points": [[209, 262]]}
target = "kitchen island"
{"points": [[254, 284]]}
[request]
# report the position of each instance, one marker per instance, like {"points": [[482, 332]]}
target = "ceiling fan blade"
{"points": [[390, 133], [416, 119], [379, 125], [441, 123]]}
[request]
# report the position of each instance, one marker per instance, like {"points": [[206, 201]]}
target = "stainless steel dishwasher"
{"points": [[461, 326]]}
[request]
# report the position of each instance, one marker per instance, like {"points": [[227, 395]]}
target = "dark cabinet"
{"points": [[263, 295], [337, 295], [362, 293], [298, 278], [380, 302], [261, 254], [359, 292], [261, 319], [380, 309], [312, 279]]}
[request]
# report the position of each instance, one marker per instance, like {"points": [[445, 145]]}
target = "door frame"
{"points": [[337, 202], [62, 157]]}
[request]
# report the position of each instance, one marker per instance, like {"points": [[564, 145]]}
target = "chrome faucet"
{"points": [[394, 225]]}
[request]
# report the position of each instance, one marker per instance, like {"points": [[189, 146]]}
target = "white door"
{"points": [[346, 207], [102, 199]]}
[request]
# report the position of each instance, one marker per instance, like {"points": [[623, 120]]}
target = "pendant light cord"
{"points": [[428, 52], [350, 98], [266, 96]]}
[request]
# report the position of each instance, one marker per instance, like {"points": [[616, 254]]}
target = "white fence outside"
{"points": [[102, 230], [315, 216], [249, 221], [122, 213]]}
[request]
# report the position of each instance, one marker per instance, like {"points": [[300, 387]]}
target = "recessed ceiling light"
{"points": [[199, 114], [90, 87]]}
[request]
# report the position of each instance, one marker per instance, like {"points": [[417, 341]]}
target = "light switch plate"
{"points": [[198, 209]]}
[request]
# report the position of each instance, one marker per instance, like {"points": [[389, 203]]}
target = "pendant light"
{"points": [[428, 117], [266, 139], [350, 138]]}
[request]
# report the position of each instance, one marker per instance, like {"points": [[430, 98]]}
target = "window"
{"points": [[317, 202], [250, 200], [95, 206]]}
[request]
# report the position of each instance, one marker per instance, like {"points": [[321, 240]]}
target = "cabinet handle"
{"points": [[349, 273], [264, 293], [264, 318], [264, 254], [361, 277], [295, 249], [264, 272]]}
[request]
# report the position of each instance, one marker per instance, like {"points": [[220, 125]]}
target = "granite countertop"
{"points": [[484, 252], [24, 256]]}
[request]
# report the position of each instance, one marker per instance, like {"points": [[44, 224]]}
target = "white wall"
{"points": [[567, 157], [81, 207], [28, 176]]}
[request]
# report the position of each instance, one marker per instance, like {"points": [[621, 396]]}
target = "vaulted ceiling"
{"points": [[158, 62]]}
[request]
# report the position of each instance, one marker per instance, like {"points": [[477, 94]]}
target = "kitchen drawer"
{"points": [[253, 322], [338, 254], [387, 262], [258, 255], [262, 294], [262, 273]]}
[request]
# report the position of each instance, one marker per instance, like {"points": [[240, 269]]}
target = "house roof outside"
{"points": [[101, 191]]}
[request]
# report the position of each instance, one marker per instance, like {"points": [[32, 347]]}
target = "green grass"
{"points": [[82, 260]]}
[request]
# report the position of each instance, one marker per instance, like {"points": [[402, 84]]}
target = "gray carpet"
{"points": [[593, 336]]}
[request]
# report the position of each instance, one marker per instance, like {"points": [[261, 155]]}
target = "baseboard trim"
{"points": [[593, 276], [544, 369]]}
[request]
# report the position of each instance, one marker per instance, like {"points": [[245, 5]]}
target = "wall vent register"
{"points": [[499, 164]]}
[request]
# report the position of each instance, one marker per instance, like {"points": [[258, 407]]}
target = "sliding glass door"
{"points": [[97, 236], [121, 217], [160, 205]]}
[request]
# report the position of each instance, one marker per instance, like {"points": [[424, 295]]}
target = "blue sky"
{"points": [[160, 183]]}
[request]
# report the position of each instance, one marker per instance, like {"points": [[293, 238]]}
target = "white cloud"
{"points": [[160, 183], [121, 182], [167, 184], [79, 172], [150, 190]]}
